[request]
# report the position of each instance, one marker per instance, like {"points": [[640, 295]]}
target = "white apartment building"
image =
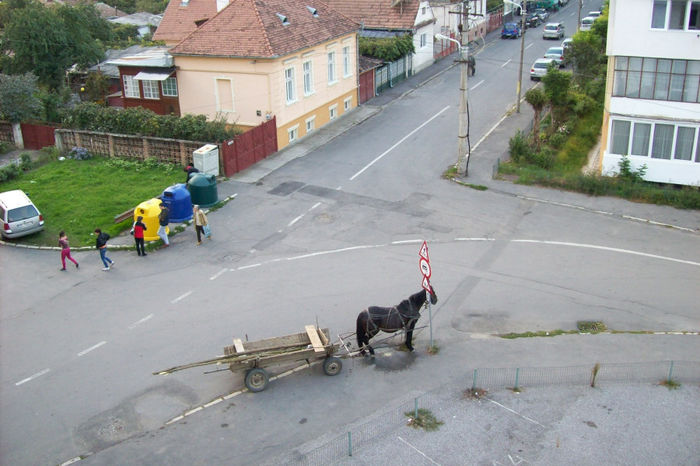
{"points": [[652, 101]]}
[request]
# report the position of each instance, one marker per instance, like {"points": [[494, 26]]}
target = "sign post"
{"points": [[426, 270]]}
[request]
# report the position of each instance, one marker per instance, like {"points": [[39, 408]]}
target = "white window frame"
{"points": [[308, 71], [290, 85], [151, 90], [423, 40], [333, 112], [694, 156], [130, 84], [310, 124], [332, 72], [668, 12], [170, 87], [293, 133], [347, 69], [347, 104]]}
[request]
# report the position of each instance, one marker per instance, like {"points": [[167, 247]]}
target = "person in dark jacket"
{"points": [[137, 230], [163, 220], [191, 170], [101, 245]]}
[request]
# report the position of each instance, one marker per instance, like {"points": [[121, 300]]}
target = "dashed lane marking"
{"points": [[32, 377], [141, 321], [218, 274], [181, 297], [92, 348]]}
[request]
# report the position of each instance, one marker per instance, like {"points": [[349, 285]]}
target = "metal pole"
{"points": [[462, 146], [349, 444], [523, 14], [578, 25], [430, 317]]}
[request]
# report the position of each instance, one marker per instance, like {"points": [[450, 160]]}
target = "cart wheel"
{"points": [[332, 365], [256, 380]]}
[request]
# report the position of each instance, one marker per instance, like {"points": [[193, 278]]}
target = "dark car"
{"points": [[510, 31], [542, 13], [532, 20]]}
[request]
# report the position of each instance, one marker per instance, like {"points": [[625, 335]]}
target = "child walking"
{"points": [[65, 250]]}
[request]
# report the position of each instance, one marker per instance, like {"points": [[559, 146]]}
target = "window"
{"points": [[331, 68], [423, 40], [224, 95], [657, 79], [675, 14], [290, 85], [150, 90], [170, 87], [333, 111], [293, 133], [658, 140], [131, 87], [307, 68], [310, 124], [620, 137], [347, 104], [347, 69]]}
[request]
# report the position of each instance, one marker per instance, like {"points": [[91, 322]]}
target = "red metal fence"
{"points": [[37, 136], [250, 147]]}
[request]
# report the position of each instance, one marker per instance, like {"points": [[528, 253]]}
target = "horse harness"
{"points": [[405, 320]]}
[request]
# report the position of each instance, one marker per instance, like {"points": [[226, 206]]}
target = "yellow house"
{"points": [[296, 60]]}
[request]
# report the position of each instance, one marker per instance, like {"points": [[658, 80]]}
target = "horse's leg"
{"points": [[409, 334], [360, 332]]}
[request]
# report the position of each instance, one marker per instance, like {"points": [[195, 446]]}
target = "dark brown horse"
{"points": [[390, 319]]}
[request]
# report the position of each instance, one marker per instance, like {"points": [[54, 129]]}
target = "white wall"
{"points": [[423, 56]]}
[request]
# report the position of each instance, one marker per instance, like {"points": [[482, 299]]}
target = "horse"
{"points": [[390, 319]]}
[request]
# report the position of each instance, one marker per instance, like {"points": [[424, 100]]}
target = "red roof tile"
{"points": [[252, 28], [180, 19], [379, 14]]}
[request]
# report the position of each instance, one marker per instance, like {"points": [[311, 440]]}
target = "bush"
{"points": [[519, 148], [557, 140], [9, 172], [6, 147]]}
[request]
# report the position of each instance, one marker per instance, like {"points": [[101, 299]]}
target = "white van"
{"points": [[18, 215], [587, 23]]}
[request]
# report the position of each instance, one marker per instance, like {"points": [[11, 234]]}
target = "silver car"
{"points": [[540, 68], [553, 31], [18, 215]]}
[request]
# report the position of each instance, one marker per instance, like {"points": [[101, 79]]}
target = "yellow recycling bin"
{"points": [[149, 210]]}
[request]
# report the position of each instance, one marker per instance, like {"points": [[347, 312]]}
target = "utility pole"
{"points": [[463, 132], [578, 25], [523, 14]]}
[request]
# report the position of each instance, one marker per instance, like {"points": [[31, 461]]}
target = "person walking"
{"points": [[201, 224], [137, 230], [101, 245], [163, 220], [65, 250]]}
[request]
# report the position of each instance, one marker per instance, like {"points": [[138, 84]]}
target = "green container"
{"points": [[202, 189]]}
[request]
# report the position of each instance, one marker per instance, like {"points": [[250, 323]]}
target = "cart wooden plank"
{"points": [[312, 332], [238, 344]]}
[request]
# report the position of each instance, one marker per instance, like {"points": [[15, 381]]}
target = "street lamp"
{"points": [[462, 146], [523, 12]]}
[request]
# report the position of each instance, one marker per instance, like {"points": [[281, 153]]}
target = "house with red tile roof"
{"points": [[182, 17], [386, 18], [296, 60]]}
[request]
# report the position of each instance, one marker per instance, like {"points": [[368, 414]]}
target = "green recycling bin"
{"points": [[202, 189]]}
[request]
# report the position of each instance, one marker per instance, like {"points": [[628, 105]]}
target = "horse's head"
{"points": [[433, 295]]}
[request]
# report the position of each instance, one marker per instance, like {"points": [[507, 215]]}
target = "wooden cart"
{"points": [[254, 356]]}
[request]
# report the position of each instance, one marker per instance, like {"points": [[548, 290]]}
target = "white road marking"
{"points": [[606, 248], [295, 220], [477, 85], [399, 142], [504, 65], [515, 412], [93, 347], [181, 297], [243, 267], [32, 377], [408, 241], [475, 239], [423, 454], [493, 128], [528, 46], [139, 322], [314, 206], [218, 274], [332, 251]]}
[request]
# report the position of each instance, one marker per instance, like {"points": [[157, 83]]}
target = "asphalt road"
{"points": [[319, 239]]}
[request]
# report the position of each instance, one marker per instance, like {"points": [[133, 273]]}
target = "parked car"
{"points": [[556, 54], [19, 215], [511, 31], [540, 68], [542, 13], [587, 23], [566, 43], [532, 20], [593, 14], [553, 31]]}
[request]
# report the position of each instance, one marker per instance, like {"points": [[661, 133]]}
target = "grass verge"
{"points": [[426, 420]]}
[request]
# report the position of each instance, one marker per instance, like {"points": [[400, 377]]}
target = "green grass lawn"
{"points": [[80, 195]]}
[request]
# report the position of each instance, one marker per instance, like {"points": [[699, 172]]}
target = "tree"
{"points": [[18, 100], [537, 99], [556, 88], [47, 40]]}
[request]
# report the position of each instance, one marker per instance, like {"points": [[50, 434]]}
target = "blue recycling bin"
{"points": [[179, 202]]}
